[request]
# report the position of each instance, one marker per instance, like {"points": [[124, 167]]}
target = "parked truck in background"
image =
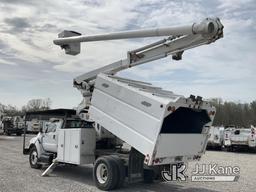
{"points": [[216, 138], [13, 125], [241, 138], [34, 126]]}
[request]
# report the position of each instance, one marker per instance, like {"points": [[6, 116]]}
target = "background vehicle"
{"points": [[241, 138], [33, 126], [216, 138], [35, 120], [13, 125], [227, 133], [155, 123]]}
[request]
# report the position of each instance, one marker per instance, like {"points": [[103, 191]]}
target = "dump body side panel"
{"points": [[130, 95], [130, 124], [155, 123]]}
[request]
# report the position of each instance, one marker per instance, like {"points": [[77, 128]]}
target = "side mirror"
{"points": [[46, 130]]}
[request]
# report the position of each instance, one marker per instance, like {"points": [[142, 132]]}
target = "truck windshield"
{"points": [[78, 124]]}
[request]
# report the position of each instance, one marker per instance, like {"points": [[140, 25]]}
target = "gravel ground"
{"points": [[16, 174]]}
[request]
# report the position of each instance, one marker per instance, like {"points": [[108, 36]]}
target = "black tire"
{"points": [[229, 149], [158, 172], [33, 158], [121, 170], [149, 175], [7, 133], [105, 173]]}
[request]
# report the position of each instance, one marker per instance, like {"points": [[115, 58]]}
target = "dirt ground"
{"points": [[17, 176]]}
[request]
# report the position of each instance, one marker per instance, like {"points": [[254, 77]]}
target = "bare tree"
{"points": [[9, 110], [37, 104]]}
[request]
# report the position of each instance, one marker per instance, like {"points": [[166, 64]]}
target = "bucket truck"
{"points": [[138, 129], [13, 125]]}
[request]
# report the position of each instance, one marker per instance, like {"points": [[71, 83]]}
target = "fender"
{"points": [[36, 141]]}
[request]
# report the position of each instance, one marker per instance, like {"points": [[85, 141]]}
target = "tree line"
{"points": [[231, 113], [32, 105], [227, 113]]}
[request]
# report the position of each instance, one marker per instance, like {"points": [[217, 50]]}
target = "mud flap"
{"points": [[135, 167]]}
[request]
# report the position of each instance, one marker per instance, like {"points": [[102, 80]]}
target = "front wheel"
{"points": [[33, 158]]}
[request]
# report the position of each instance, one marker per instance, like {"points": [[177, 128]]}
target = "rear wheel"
{"points": [[33, 158], [105, 173], [121, 170], [7, 132], [158, 171], [149, 175]]}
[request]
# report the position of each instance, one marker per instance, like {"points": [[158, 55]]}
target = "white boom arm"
{"points": [[179, 39], [205, 27]]}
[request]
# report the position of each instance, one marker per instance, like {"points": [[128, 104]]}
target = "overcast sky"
{"points": [[31, 66]]}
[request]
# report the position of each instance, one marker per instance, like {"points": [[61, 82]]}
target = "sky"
{"points": [[31, 66]]}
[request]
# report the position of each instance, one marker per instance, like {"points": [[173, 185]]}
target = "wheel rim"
{"points": [[102, 173], [34, 157]]}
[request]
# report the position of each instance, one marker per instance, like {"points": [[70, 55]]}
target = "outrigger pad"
{"points": [[49, 169]]}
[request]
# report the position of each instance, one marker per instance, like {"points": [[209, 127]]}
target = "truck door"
{"points": [[50, 138]]}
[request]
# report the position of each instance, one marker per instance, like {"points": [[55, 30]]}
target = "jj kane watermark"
{"points": [[202, 173]]}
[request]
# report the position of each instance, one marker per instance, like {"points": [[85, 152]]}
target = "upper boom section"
{"points": [[70, 40], [179, 40]]}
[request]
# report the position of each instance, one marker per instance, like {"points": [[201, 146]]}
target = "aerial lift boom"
{"points": [[179, 39], [100, 85]]}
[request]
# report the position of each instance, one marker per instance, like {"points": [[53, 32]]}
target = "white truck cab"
{"points": [[44, 147], [50, 137]]}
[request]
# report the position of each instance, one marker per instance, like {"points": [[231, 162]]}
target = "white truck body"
{"points": [[144, 117], [227, 133], [244, 137], [76, 146], [216, 137]]}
